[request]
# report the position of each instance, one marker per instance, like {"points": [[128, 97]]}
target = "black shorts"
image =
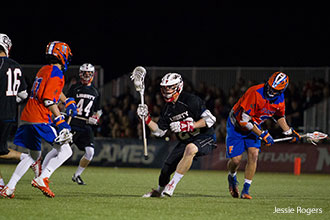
{"points": [[204, 143], [5, 128], [83, 137]]}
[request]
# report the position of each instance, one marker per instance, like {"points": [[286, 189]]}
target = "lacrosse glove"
{"points": [[71, 107], [267, 138], [292, 133], [61, 123], [186, 125], [142, 112]]}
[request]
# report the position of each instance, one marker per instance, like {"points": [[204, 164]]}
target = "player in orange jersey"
{"points": [[37, 119], [244, 133]]}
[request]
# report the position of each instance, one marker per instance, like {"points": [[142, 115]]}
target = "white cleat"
{"points": [[7, 193], [169, 190]]}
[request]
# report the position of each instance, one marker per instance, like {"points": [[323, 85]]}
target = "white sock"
{"points": [[2, 183], [51, 154], [247, 181], [79, 171], [23, 155], [63, 154], [175, 179], [232, 174], [20, 170]]}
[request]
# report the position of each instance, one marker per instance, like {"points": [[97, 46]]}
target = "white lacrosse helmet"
{"points": [[5, 42], [171, 86], [86, 73]]}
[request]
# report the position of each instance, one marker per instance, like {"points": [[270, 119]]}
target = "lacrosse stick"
{"points": [[313, 138], [137, 76]]}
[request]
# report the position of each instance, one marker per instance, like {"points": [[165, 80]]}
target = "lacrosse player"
{"points": [[186, 115], [12, 91], [244, 133], [37, 121], [89, 112]]}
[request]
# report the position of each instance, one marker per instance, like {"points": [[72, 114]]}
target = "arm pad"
{"points": [[48, 103], [245, 121], [209, 118]]}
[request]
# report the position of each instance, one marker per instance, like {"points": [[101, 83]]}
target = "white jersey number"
{"points": [[81, 109], [13, 82]]}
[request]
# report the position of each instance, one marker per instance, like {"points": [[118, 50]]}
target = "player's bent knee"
{"points": [[253, 156], [191, 150], [89, 153]]}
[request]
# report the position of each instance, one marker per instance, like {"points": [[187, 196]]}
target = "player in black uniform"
{"points": [[186, 115], [12, 91], [89, 112]]}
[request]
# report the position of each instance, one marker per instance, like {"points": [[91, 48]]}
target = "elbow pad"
{"points": [[245, 121], [48, 103], [209, 118], [159, 132]]}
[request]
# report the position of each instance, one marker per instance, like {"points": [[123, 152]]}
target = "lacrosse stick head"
{"points": [[65, 136], [315, 137], [137, 76]]}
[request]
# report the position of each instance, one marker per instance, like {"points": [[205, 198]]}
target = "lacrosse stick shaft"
{"points": [[288, 138], [145, 148], [69, 120]]}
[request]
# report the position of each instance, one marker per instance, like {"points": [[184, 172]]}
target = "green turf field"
{"points": [[115, 193]]}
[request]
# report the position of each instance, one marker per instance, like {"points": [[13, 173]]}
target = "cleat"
{"points": [[153, 193], [7, 193], [246, 196], [78, 180], [42, 184], [2, 186], [169, 190], [36, 167], [233, 186]]}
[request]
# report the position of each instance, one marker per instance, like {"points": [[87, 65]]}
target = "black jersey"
{"points": [[11, 83], [187, 105], [87, 99]]}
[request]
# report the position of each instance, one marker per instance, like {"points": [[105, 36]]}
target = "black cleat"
{"points": [[78, 180]]}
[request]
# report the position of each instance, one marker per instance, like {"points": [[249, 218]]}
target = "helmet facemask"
{"points": [[86, 77], [171, 86]]}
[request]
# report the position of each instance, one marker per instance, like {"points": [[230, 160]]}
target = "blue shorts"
{"points": [[237, 143], [30, 135]]}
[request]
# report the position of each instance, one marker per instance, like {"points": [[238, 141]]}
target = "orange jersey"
{"points": [[48, 84], [255, 104]]}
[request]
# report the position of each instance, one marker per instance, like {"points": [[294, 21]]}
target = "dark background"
{"points": [[120, 37]]}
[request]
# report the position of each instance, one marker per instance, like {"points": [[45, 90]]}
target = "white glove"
{"points": [[142, 111], [93, 120], [186, 125]]}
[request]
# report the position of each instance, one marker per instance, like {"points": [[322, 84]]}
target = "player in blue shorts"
{"points": [[259, 103]]}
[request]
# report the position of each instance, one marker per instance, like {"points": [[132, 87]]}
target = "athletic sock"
{"points": [[175, 179], [63, 154], [232, 174], [79, 171], [20, 170], [2, 183], [23, 155], [246, 187]]}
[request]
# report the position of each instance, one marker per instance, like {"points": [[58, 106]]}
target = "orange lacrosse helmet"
{"points": [[276, 84], [61, 51]]}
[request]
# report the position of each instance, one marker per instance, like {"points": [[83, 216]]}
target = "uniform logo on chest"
{"points": [[179, 116]]}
